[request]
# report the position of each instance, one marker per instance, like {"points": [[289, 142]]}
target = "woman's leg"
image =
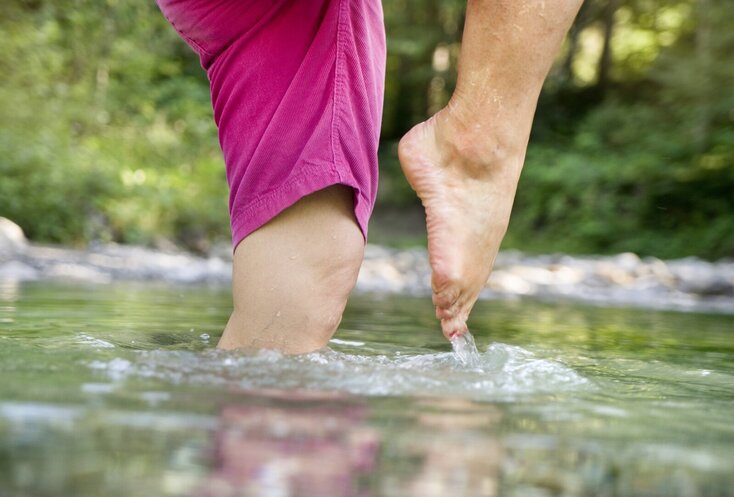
{"points": [[292, 276], [464, 163], [297, 97]]}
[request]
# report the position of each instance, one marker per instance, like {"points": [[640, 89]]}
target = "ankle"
{"points": [[480, 141]]}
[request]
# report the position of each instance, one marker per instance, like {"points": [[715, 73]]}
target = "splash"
{"points": [[465, 349], [501, 372]]}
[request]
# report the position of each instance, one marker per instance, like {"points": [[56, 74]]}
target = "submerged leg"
{"points": [[292, 277], [464, 163]]}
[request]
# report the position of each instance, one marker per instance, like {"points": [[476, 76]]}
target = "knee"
{"points": [[335, 278], [338, 269], [333, 250], [292, 278]]}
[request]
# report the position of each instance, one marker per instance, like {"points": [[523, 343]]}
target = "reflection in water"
{"points": [[300, 446], [8, 295], [460, 458], [9, 290], [114, 391], [295, 444]]}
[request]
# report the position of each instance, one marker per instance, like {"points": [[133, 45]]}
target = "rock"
{"points": [[683, 284], [616, 274], [77, 272], [505, 281], [708, 285], [164, 244], [532, 275], [12, 239], [703, 278], [372, 251], [565, 275], [627, 261], [656, 270], [508, 258], [221, 249], [17, 271], [380, 276], [197, 271]]}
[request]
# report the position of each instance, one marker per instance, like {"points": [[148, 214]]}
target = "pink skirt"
{"points": [[297, 88]]}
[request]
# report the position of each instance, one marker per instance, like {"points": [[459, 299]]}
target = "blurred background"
{"points": [[106, 131]]}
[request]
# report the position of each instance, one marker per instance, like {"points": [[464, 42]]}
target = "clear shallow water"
{"points": [[117, 390]]}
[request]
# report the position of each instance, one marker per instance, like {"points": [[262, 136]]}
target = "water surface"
{"points": [[118, 390]]}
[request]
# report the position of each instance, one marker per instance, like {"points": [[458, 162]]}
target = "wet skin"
{"points": [[464, 163], [292, 277]]}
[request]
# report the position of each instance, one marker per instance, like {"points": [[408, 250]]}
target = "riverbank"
{"points": [[688, 284]]}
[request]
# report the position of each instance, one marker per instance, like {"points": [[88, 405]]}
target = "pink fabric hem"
{"points": [[296, 90], [310, 179]]}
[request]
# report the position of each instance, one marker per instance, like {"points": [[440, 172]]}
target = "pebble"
{"points": [[17, 271], [624, 279], [12, 239]]}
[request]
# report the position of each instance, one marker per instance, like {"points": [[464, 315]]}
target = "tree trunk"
{"points": [[605, 61], [565, 72], [703, 57]]}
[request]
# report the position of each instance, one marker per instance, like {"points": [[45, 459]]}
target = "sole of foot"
{"points": [[466, 181]]}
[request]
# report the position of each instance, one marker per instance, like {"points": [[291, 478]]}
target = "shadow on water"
{"points": [[117, 390]]}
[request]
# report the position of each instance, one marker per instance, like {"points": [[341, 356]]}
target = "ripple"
{"points": [[98, 343], [501, 372]]}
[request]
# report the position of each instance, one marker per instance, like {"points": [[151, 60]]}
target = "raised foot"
{"points": [[466, 181]]}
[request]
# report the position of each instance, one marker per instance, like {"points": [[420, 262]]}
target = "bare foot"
{"points": [[466, 176]]}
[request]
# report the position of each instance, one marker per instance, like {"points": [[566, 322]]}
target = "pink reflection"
{"points": [[460, 455], [303, 446]]}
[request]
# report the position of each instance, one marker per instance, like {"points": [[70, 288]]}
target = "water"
{"points": [[465, 349], [118, 391]]}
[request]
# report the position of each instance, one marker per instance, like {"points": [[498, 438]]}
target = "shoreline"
{"points": [[688, 284]]}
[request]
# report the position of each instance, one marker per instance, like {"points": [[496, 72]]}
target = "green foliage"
{"points": [[106, 130], [643, 161], [649, 170]]}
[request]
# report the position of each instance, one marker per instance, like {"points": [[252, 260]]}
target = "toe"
{"points": [[453, 326], [443, 314]]}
